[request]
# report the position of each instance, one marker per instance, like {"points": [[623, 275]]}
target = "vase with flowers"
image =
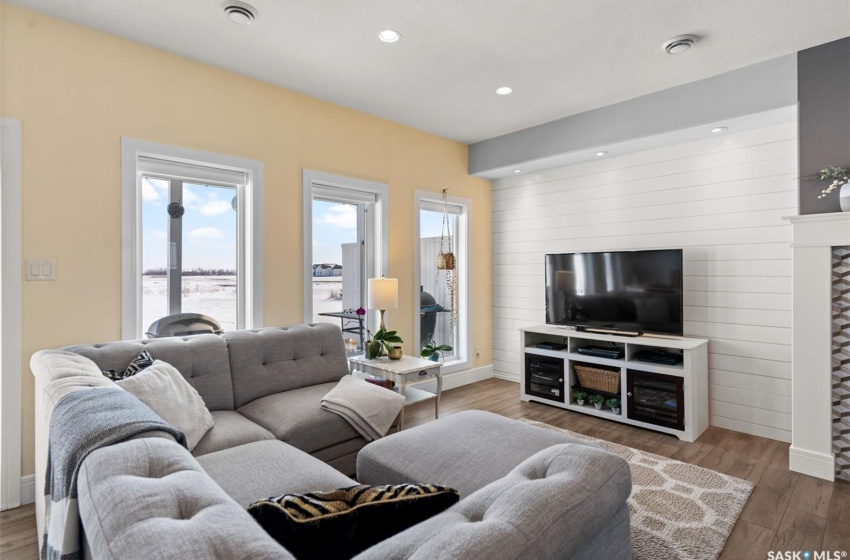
{"points": [[840, 178]]}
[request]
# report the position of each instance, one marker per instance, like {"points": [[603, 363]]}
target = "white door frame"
{"points": [[380, 226], [10, 325]]}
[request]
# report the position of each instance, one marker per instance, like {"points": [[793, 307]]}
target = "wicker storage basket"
{"points": [[597, 379]]}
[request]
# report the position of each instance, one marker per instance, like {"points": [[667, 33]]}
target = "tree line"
{"points": [[192, 272]]}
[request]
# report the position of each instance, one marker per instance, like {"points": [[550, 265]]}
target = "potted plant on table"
{"points": [[614, 404], [579, 397], [380, 343], [596, 400], [434, 352]]}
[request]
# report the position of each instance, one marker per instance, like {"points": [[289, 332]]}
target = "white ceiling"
{"points": [[562, 57]]}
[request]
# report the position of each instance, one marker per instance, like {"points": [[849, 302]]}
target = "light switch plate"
{"points": [[41, 269]]}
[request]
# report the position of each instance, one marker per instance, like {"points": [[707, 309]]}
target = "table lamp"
{"points": [[382, 294]]}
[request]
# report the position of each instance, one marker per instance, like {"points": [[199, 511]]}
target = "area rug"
{"points": [[678, 510]]}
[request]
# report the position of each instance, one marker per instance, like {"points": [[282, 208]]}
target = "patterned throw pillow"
{"points": [[342, 523], [140, 362]]}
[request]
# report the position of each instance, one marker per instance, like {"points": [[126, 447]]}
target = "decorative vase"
{"points": [[844, 197], [396, 353], [373, 349]]}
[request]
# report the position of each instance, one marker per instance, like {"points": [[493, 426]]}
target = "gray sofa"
{"points": [[150, 498]]}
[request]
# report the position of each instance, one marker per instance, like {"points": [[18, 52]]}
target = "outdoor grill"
{"points": [[183, 324]]}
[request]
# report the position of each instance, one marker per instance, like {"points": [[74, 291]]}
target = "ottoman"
{"points": [[465, 451]]}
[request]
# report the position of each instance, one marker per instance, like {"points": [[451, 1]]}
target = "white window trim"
{"points": [[461, 246], [250, 259], [10, 327], [311, 179]]}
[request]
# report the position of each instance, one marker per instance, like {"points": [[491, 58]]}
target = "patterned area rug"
{"points": [[678, 511]]}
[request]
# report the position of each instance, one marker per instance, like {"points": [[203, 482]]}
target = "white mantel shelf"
{"points": [[821, 230], [811, 385]]}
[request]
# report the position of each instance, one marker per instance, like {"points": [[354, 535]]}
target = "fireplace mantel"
{"points": [[811, 380]]}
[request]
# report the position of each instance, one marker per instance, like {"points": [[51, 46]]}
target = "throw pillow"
{"points": [[342, 523], [164, 389], [140, 362]]}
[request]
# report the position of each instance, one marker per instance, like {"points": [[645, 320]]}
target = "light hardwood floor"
{"points": [[787, 511]]}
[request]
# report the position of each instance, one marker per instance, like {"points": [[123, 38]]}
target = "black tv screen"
{"points": [[624, 290]]}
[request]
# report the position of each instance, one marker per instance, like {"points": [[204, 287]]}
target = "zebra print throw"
{"points": [[341, 523]]}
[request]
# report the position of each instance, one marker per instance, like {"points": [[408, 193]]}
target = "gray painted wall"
{"points": [[824, 118], [753, 89]]}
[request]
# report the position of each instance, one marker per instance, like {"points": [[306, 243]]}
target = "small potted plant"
{"points": [[614, 404], [579, 397], [434, 352], [596, 400], [380, 343]]}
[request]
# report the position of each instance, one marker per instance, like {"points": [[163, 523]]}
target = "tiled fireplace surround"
{"points": [[820, 384]]}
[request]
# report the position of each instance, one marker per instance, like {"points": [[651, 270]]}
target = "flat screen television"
{"points": [[623, 290]]}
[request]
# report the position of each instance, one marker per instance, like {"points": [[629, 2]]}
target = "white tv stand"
{"points": [[693, 372]]}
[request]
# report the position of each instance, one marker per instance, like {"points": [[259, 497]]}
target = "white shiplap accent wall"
{"points": [[722, 200]]}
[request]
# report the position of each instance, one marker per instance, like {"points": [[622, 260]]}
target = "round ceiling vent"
{"points": [[239, 12], [680, 44]]}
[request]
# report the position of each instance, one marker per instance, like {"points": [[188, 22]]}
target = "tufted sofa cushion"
{"points": [[203, 361], [273, 360], [551, 506], [148, 498]]}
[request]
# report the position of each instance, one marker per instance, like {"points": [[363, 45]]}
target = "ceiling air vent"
{"points": [[679, 44], [239, 12]]}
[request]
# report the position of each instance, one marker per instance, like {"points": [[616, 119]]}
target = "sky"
{"points": [[335, 223], [209, 226]]}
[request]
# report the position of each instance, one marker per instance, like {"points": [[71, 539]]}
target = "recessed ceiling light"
{"points": [[240, 12], [517, 170], [680, 44], [504, 90], [717, 129], [600, 154], [389, 35]]}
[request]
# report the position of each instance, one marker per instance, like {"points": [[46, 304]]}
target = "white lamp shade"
{"points": [[382, 293]]}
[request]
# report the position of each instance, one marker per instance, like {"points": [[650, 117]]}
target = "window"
{"points": [[345, 229], [441, 297], [194, 224]]}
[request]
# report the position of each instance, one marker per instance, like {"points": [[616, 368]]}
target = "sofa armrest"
{"points": [[548, 507], [149, 498]]}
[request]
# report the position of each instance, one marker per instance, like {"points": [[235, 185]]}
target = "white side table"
{"points": [[407, 369]]}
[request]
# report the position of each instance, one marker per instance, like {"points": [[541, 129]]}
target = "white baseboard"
{"points": [[812, 463], [458, 379], [27, 489], [507, 376]]}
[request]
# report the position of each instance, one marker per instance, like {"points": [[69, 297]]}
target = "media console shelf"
{"points": [[669, 398]]}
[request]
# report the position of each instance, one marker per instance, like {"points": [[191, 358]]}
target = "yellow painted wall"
{"points": [[77, 91]]}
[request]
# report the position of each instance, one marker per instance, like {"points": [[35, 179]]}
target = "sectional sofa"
{"points": [[148, 497]]}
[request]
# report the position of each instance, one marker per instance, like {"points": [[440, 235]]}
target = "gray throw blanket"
{"points": [[371, 410], [82, 422]]}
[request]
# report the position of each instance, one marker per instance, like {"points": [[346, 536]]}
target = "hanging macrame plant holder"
{"points": [[446, 259], [447, 264]]}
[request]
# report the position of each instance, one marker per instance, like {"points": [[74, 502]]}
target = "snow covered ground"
{"points": [[216, 296]]}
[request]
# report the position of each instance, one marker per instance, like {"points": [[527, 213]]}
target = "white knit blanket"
{"points": [[370, 409]]}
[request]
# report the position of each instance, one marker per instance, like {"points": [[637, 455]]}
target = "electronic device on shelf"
{"points": [[611, 352], [547, 345], [623, 293], [659, 357]]}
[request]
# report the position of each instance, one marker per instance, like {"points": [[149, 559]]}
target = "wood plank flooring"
{"points": [[787, 511]]}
